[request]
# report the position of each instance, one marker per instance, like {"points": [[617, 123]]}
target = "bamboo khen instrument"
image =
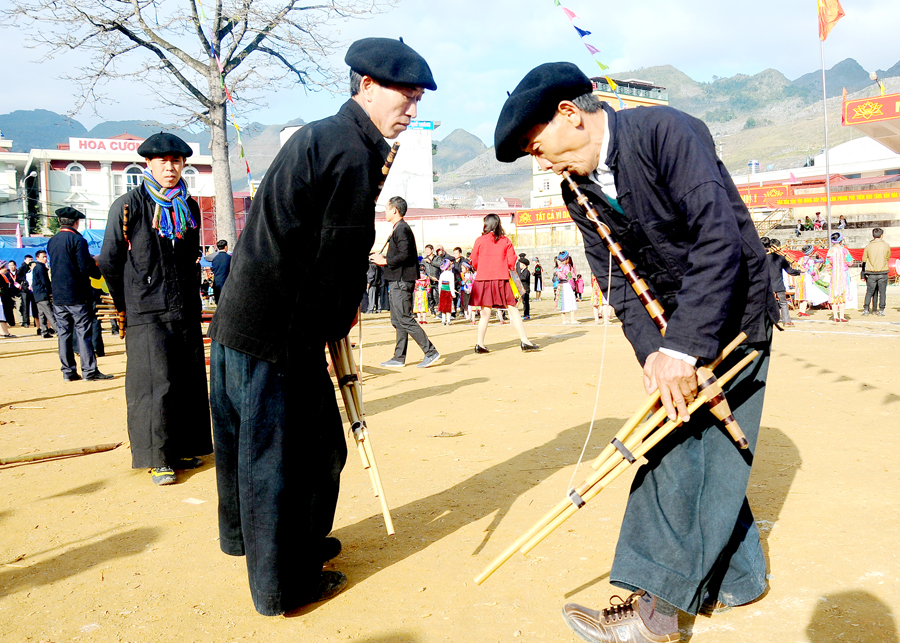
{"points": [[120, 315], [351, 392], [629, 445]]}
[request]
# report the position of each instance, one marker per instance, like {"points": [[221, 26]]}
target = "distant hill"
{"points": [[847, 73], [456, 148], [38, 129], [763, 116]]}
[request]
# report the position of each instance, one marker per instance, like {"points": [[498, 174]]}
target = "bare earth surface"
{"points": [[92, 551]]}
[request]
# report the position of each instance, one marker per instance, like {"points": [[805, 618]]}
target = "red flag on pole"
{"points": [[830, 11], [18, 235]]}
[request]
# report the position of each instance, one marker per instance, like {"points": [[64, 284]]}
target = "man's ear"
{"points": [[570, 112]]}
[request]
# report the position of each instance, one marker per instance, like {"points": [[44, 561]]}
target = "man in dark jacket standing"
{"points": [[42, 292], [280, 446], [73, 267], [221, 264], [688, 537], [401, 269], [26, 299], [776, 264], [150, 265], [525, 278]]}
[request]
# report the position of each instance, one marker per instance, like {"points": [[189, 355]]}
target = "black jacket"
{"points": [[310, 227], [524, 277], [40, 282], [156, 279], [73, 266], [22, 276], [220, 267], [686, 229], [776, 264], [402, 256]]}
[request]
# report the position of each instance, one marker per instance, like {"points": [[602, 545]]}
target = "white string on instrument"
{"points": [[587, 440]]}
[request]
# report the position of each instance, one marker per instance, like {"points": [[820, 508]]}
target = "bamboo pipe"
{"points": [[640, 287], [584, 489], [348, 380], [638, 453]]}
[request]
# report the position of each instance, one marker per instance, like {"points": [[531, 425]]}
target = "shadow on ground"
{"points": [[77, 560]]}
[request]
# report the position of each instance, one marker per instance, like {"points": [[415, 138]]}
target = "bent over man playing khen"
{"points": [[688, 539]]}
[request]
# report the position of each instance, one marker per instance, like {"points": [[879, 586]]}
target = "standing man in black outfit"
{"points": [[688, 537], [221, 264], [401, 269], [73, 267], [280, 445], [26, 302], [525, 278], [152, 276], [42, 292]]}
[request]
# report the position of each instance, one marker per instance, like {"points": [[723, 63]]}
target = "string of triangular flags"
{"points": [[582, 33], [209, 37]]}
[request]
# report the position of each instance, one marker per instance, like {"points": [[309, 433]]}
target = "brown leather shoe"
{"points": [[617, 624]]}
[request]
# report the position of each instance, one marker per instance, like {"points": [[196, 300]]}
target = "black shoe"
{"points": [[185, 463], [39, 331], [530, 347], [481, 349], [97, 375], [47, 336], [330, 548], [74, 377], [330, 585]]}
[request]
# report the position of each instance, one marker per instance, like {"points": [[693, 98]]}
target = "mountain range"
{"points": [[764, 116]]}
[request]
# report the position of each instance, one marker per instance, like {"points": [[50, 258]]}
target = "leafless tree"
{"points": [[261, 45]]}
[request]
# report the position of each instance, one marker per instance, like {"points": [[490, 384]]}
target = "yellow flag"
{"points": [[612, 83]]}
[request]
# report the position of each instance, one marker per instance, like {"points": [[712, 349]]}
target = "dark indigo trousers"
{"points": [[74, 323], [401, 294], [280, 450], [688, 530]]}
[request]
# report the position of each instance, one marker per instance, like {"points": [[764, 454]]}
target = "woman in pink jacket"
{"points": [[493, 256]]}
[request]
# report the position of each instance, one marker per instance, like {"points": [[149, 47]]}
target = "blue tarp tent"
{"points": [[30, 245]]}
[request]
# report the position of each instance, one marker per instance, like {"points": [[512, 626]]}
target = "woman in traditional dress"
{"points": [[538, 274], [807, 292], [838, 261], [493, 256], [565, 302]]}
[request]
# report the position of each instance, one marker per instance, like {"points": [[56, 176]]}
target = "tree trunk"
{"points": [[225, 225]]}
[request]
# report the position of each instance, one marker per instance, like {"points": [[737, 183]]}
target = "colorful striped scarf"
{"points": [[172, 216]]}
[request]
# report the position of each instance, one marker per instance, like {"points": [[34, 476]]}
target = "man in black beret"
{"points": [[688, 538], [149, 259], [73, 266], [279, 442]]}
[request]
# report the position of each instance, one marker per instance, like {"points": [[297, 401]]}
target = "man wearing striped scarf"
{"points": [[149, 259]]}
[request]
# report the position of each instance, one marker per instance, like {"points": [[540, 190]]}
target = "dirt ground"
{"points": [[92, 551]]}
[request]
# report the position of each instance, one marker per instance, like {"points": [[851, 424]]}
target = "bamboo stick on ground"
{"points": [[36, 457]]}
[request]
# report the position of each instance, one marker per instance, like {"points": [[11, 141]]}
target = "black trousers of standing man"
{"points": [[401, 296]]}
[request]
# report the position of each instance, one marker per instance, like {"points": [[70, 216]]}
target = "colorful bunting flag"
{"points": [[592, 50], [830, 11], [612, 84]]}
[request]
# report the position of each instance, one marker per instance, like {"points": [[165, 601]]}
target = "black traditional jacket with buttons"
{"points": [[687, 231], [309, 231], [155, 279]]}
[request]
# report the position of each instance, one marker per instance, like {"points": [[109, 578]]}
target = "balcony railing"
{"points": [[631, 91]]}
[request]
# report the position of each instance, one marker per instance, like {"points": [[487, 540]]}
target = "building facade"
{"points": [[89, 174], [12, 188]]}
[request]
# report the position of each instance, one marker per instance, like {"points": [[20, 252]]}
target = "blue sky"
{"points": [[480, 50]]}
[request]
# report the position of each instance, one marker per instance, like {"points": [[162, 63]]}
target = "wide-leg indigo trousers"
{"points": [[688, 531], [280, 450]]}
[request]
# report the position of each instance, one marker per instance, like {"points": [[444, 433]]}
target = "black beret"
{"points": [[534, 101], [163, 144], [389, 61], [70, 213]]}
